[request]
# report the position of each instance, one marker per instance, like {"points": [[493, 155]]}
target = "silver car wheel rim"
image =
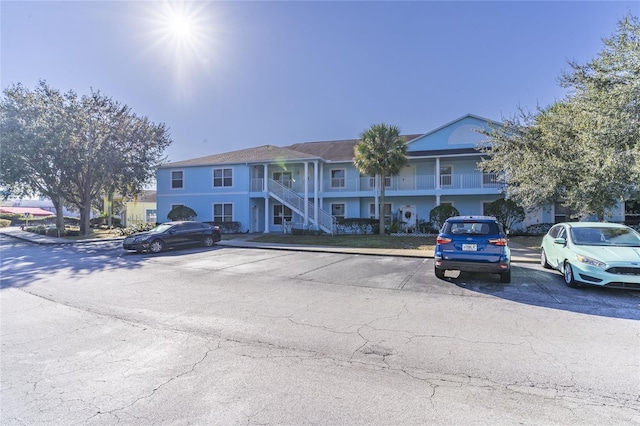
{"points": [[568, 274]]}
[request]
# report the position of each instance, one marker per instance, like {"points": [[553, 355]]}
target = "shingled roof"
{"points": [[328, 150], [260, 154]]}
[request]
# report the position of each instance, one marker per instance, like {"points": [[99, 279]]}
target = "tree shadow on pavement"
{"points": [[533, 285]]}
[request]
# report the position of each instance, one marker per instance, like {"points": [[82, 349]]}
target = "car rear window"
{"points": [[471, 228]]}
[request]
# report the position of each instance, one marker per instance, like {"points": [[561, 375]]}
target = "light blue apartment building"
{"points": [[268, 188]]}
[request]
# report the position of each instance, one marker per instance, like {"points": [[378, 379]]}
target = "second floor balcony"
{"points": [[468, 181]]}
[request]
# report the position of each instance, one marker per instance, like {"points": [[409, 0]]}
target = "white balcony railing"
{"points": [[395, 183]]}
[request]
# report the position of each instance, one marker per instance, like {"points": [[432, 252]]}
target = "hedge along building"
{"points": [[313, 184]]}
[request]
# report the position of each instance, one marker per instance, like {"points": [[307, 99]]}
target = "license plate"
{"points": [[470, 247]]}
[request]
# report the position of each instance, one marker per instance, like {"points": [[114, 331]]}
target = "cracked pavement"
{"points": [[93, 335]]}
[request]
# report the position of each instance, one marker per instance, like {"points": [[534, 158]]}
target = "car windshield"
{"points": [[605, 236], [160, 228]]}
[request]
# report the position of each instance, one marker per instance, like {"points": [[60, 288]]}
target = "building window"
{"points": [[337, 178], [372, 181], [222, 178], [285, 178], [446, 174], [561, 213], [150, 216], [337, 210], [387, 212], [223, 212], [281, 214], [177, 179]]}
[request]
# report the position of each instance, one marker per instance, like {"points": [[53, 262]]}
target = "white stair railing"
{"points": [[285, 195]]}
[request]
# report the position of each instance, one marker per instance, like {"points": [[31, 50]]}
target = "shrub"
{"points": [[507, 212], [228, 227], [4, 223], [439, 214], [538, 228], [182, 213], [103, 221], [356, 226]]}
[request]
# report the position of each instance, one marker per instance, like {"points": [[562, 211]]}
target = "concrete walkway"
{"points": [[519, 253]]}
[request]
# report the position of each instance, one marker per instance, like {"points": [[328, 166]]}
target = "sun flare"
{"points": [[179, 35]]}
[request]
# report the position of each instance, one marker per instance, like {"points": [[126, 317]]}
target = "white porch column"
{"points": [[315, 193], [266, 214], [438, 175], [265, 183], [437, 200], [306, 193]]}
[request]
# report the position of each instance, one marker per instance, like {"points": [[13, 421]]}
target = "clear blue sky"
{"points": [[243, 74]]}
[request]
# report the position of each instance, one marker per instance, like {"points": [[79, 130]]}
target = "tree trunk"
{"points": [[57, 204], [85, 212]]}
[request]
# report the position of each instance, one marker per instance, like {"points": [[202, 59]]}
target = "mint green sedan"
{"points": [[593, 253]]}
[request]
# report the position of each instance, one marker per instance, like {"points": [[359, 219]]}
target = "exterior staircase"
{"points": [[289, 198]]}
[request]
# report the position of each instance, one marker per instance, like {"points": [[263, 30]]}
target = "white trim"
{"points": [[344, 178], [213, 210], [171, 172], [213, 178], [344, 212]]}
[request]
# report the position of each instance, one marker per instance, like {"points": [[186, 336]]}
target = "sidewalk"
{"points": [[519, 253]]}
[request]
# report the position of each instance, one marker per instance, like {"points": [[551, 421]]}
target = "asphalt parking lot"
{"points": [[231, 335]]}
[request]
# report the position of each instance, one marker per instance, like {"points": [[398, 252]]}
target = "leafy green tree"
{"points": [[582, 151], [182, 213], [33, 139], [439, 214], [73, 148], [507, 211], [381, 152]]}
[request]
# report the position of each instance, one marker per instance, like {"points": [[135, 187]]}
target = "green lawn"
{"points": [[365, 241], [370, 241]]}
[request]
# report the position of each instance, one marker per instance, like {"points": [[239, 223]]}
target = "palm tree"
{"points": [[382, 152]]}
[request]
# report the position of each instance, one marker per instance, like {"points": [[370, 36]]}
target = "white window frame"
{"points": [[223, 178], [146, 215], [338, 182], [223, 215], [284, 217], [372, 181], [278, 176], [344, 210], [171, 179], [387, 218]]}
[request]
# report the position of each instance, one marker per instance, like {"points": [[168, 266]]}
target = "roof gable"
{"points": [[460, 134]]}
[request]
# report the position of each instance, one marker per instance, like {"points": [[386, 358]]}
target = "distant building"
{"points": [[140, 209]]}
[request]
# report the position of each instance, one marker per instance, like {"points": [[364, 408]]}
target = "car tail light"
{"points": [[498, 241], [443, 240]]}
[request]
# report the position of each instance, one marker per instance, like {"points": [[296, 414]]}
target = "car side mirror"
{"points": [[560, 241]]}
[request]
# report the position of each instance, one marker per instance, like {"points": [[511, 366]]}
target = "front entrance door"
{"points": [[407, 177]]}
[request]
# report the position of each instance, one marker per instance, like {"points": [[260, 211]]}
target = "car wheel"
{"points": [[156, 246], [439, 273], [208, 241], [569, 278], [543, 260], [505, 277]]}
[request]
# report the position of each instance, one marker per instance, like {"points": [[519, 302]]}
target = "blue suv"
{"points": [[473, 244]]}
